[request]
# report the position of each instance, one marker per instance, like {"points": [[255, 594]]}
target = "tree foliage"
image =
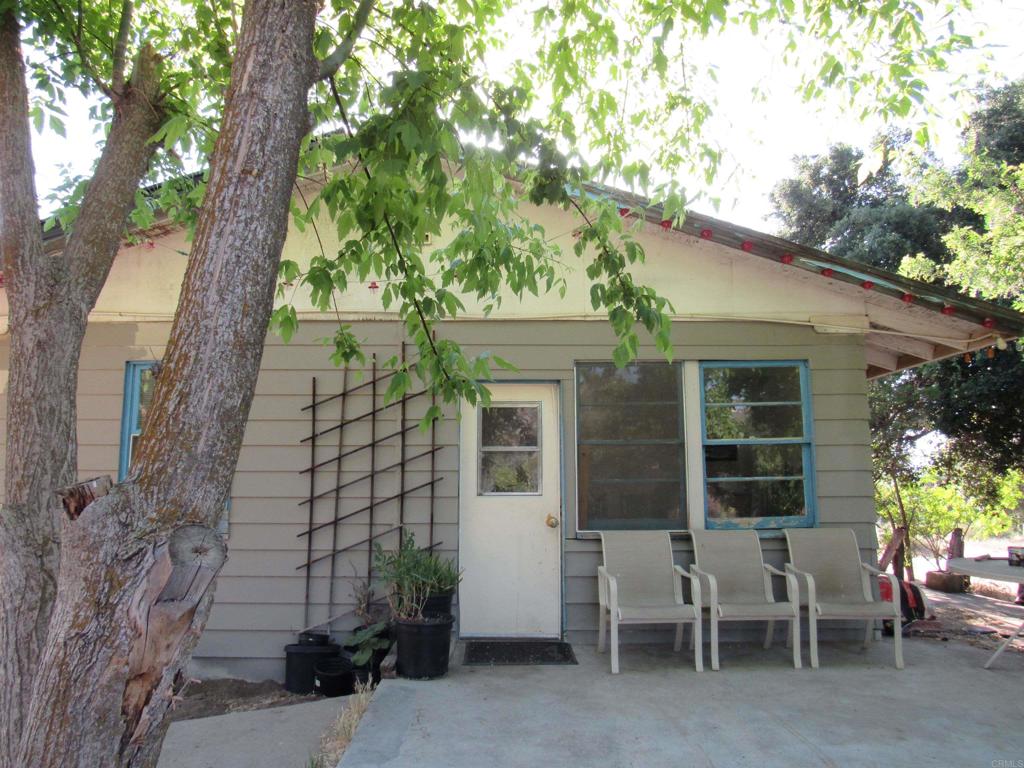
{"points": [[937, 504], [879, 219], [989, 182]]}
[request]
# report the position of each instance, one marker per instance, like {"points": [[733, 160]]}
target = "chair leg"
{"points": [[602, 618], [795, 624], [897, 636], [698, 646], [812, 637], [769, 634], [789, 636], [714, 641], [869, 626], [615, 644], [679, 638]]}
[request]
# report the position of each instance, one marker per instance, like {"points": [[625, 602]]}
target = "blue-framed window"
{"points": [[630, 447], [758, 442], [139, 380]]}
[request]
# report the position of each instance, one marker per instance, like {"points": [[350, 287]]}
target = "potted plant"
{"points": [[369, 642], [414, 575], [368, 646], [445, 577]]}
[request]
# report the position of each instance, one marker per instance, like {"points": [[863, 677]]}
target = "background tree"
{"points": [[408, 96], [920, 222], [989, 182], [897, 221]]}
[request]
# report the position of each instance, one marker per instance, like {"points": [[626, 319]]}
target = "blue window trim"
{"points": [[807, 441], [130, 410], [133, 371]]}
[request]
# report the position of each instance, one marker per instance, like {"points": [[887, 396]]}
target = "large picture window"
{"points": [[630, 461], [758, 447]]}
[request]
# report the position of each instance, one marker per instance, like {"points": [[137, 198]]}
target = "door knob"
{"points": [[552, 521]]}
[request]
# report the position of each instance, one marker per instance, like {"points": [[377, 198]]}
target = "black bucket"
{"points": [[333, 677], [423, 647], [438, 605], [300, 664]]}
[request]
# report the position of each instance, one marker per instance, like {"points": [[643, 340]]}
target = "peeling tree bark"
{"points": [[124, 622], [50, 296]]}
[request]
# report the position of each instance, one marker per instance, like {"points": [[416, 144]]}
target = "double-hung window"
{"points": [[630, 459], [758, 445]]}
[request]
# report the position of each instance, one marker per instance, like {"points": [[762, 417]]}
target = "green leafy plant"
{"points": [[367, 640], [414, 575]]}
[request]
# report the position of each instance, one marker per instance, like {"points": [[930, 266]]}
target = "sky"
{"points": [[760, 138]]}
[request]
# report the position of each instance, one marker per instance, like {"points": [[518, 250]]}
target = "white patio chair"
{"points": [[839, 584], [739, 586], [640, 583]]}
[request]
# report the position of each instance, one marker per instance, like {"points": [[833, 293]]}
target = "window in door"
{"points": [[510, 449]]}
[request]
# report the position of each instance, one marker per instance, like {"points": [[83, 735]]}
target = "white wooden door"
{"points": [[510, 514]]}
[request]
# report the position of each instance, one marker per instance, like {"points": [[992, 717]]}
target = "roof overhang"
{"points": [[906, 323]]}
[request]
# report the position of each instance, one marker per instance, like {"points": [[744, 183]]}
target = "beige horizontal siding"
{"points": [[261, 593]]}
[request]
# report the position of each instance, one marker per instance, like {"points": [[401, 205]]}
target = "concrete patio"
{"points": [[856, 710], [279, 737]]}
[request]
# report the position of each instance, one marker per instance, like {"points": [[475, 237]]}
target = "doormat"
{"points": [[486, 653]]}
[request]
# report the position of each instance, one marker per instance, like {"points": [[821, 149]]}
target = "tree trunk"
{"points": [[50, 296], [121, 628]]}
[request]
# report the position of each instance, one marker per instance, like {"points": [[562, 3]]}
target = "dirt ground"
{"points": [[979, 619], [219, 697]]}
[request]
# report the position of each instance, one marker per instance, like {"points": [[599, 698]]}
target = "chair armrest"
{"points": [[894, 585], [712, 585], [694, 580], [607, 589], [812, 600], [792, 588]]}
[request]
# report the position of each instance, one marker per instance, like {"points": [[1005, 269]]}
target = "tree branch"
{"points": [[340, 55], [121, 48], [96, 234], [21, 243], [394, 240]]}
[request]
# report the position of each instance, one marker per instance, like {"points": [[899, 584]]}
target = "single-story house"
{"points": [[760, 421]]}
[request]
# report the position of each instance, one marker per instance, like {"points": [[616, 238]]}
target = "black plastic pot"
{"points": [[300, 664], [313, 638], [438, 605], [423, 647], [369, 672], [334, 677]]}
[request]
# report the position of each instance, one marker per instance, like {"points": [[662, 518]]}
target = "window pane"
{"points": [[753, 460], [612, 506], [147, 384], [737, 422], [511, 426], [755, 498], [631, 462], [639, 382], [769, 384], [510, 472], [629, 422]]}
